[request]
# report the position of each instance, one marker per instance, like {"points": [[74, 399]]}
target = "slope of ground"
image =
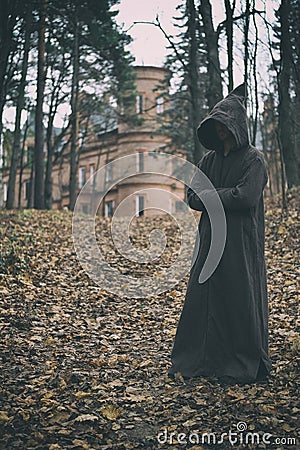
{"points": [[85, 369]]}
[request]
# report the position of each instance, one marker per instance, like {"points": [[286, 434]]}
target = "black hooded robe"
{"points": [[223, 328]]}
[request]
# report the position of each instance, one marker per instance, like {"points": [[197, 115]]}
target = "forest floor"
{"points": [[84, 369]]}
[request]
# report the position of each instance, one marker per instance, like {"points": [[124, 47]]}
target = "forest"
{"points": [[82, 367], [75, 54]]}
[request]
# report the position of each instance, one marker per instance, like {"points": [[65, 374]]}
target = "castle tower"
{"points": [[147, 189], [134, 194], [151, 98]]}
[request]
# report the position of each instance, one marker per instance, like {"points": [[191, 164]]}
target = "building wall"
{"points": [[125, 140], [141, 139]]}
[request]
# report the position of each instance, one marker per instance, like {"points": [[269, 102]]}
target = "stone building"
{"points": [[134, 194], [140, 193]]}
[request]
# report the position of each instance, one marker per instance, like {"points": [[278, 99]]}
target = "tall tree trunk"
{"points": [[229, 33], [214, 93], [277, 171], [193, 77], [74, 117], [7, 23], [268, 156], [22, 163], [296, 127], [295, 44], [256, 105], [282, 173], [39, 201], [285, 106], [246, 42], [52, 142], [49, 167], [30, 198], [20, 105]]}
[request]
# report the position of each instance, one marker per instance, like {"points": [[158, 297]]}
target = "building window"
{"points": [[140, 162], [108, 172], [113, 101], [92, 174], [3, 157], [139, 104], [81, 136], [5, 192], [139, 205], [29, 154], [159, 105], [109, 208], [81, 178], [121, 108], [27, 189], [85, 208], [180, 206]]}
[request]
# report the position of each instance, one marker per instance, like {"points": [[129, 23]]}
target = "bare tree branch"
{"points": [[159, 26]]}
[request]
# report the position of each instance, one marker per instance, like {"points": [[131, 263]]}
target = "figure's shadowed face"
{"points": [[222, 131]]}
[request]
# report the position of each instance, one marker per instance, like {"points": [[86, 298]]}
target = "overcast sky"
{"points": [[149, 45]]}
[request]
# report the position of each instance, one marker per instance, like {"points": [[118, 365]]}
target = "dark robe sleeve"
{"points": [[248, 191], [244, 195], [194, 201]]}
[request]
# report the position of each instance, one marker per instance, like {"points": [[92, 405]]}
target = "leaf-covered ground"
{"points": [[85, 369]]}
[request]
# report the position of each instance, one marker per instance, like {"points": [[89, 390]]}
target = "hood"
{"points": [[231, 112]]}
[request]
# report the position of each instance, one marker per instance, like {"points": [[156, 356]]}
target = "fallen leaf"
{"points": [[111, 412], [86, 418]]}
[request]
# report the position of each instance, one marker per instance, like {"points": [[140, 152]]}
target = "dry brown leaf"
{"points": [[111, 412], [86, 418]]}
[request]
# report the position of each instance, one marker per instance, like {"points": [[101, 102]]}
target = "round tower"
{"points": [[152, 100]]}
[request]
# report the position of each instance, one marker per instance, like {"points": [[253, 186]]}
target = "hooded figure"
{"points": [[223, 328]]}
